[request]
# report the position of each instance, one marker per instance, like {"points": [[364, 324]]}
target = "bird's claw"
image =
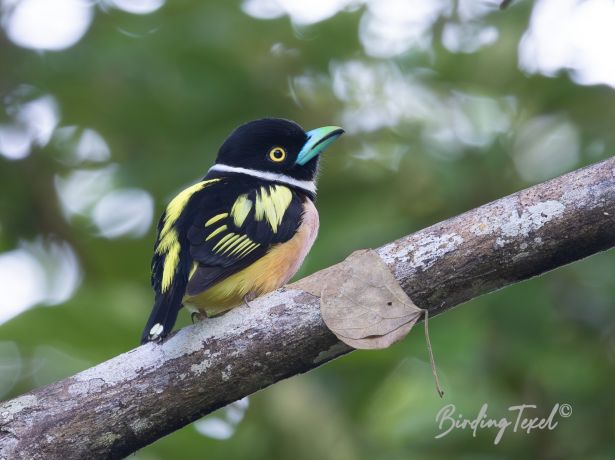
{"points": [[247, 298], [197, 316]]}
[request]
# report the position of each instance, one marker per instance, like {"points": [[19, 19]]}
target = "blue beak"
{"points": [[318, 140]]}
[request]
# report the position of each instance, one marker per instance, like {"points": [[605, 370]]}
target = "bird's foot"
{"points": [[197, 316], [248, 297]]}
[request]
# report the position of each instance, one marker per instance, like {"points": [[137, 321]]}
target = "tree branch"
{"points": [[117, 407]]}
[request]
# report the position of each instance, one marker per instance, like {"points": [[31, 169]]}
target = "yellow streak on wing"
{"points": [[259, 210], [281, 197], [248, 250], [241, 246], [165, 243], [225, 246], [216, 218], [171, 260], [272, 204], [177, 204], [215, 232], [234, 243], [195, 265], [220, 244], [240, 210], [168, 244]]}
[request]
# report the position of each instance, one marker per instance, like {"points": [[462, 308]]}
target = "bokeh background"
{"points": [[110, 107]]}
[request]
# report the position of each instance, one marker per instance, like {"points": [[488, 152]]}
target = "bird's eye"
{"points": [[277, 154]]}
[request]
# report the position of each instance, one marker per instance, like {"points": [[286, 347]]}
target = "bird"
{"points": [[244, 229]]}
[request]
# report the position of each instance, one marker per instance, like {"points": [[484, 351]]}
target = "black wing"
{"points": [[227, 238]]}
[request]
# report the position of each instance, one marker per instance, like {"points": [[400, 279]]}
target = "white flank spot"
{"points": [[306, 185], [156, 330]]}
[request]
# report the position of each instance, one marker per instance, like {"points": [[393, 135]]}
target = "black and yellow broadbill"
{"points": [[244, 229]]}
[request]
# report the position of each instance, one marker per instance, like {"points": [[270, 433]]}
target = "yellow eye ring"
{"points": [[277, 154]]}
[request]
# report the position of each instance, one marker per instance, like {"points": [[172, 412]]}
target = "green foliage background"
{"points": [[164, 99]]}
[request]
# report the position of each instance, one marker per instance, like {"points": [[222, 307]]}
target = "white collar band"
{"points": [[307, 185]]}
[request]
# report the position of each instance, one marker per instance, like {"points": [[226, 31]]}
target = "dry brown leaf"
{"points": [[364, 306], [362, 303]]}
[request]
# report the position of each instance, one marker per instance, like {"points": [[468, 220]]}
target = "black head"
{"points": [[277, 146]]}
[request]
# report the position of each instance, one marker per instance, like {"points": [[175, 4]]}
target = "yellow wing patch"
{"points": [[241, 209], [271, 204], [177, 204], [168, 242], [171, 260]]}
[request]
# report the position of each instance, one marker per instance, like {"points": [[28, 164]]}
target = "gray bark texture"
{"points": [[116, 407]]}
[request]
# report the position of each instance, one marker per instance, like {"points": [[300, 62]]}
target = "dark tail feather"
{"points": [[162, 319]]}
